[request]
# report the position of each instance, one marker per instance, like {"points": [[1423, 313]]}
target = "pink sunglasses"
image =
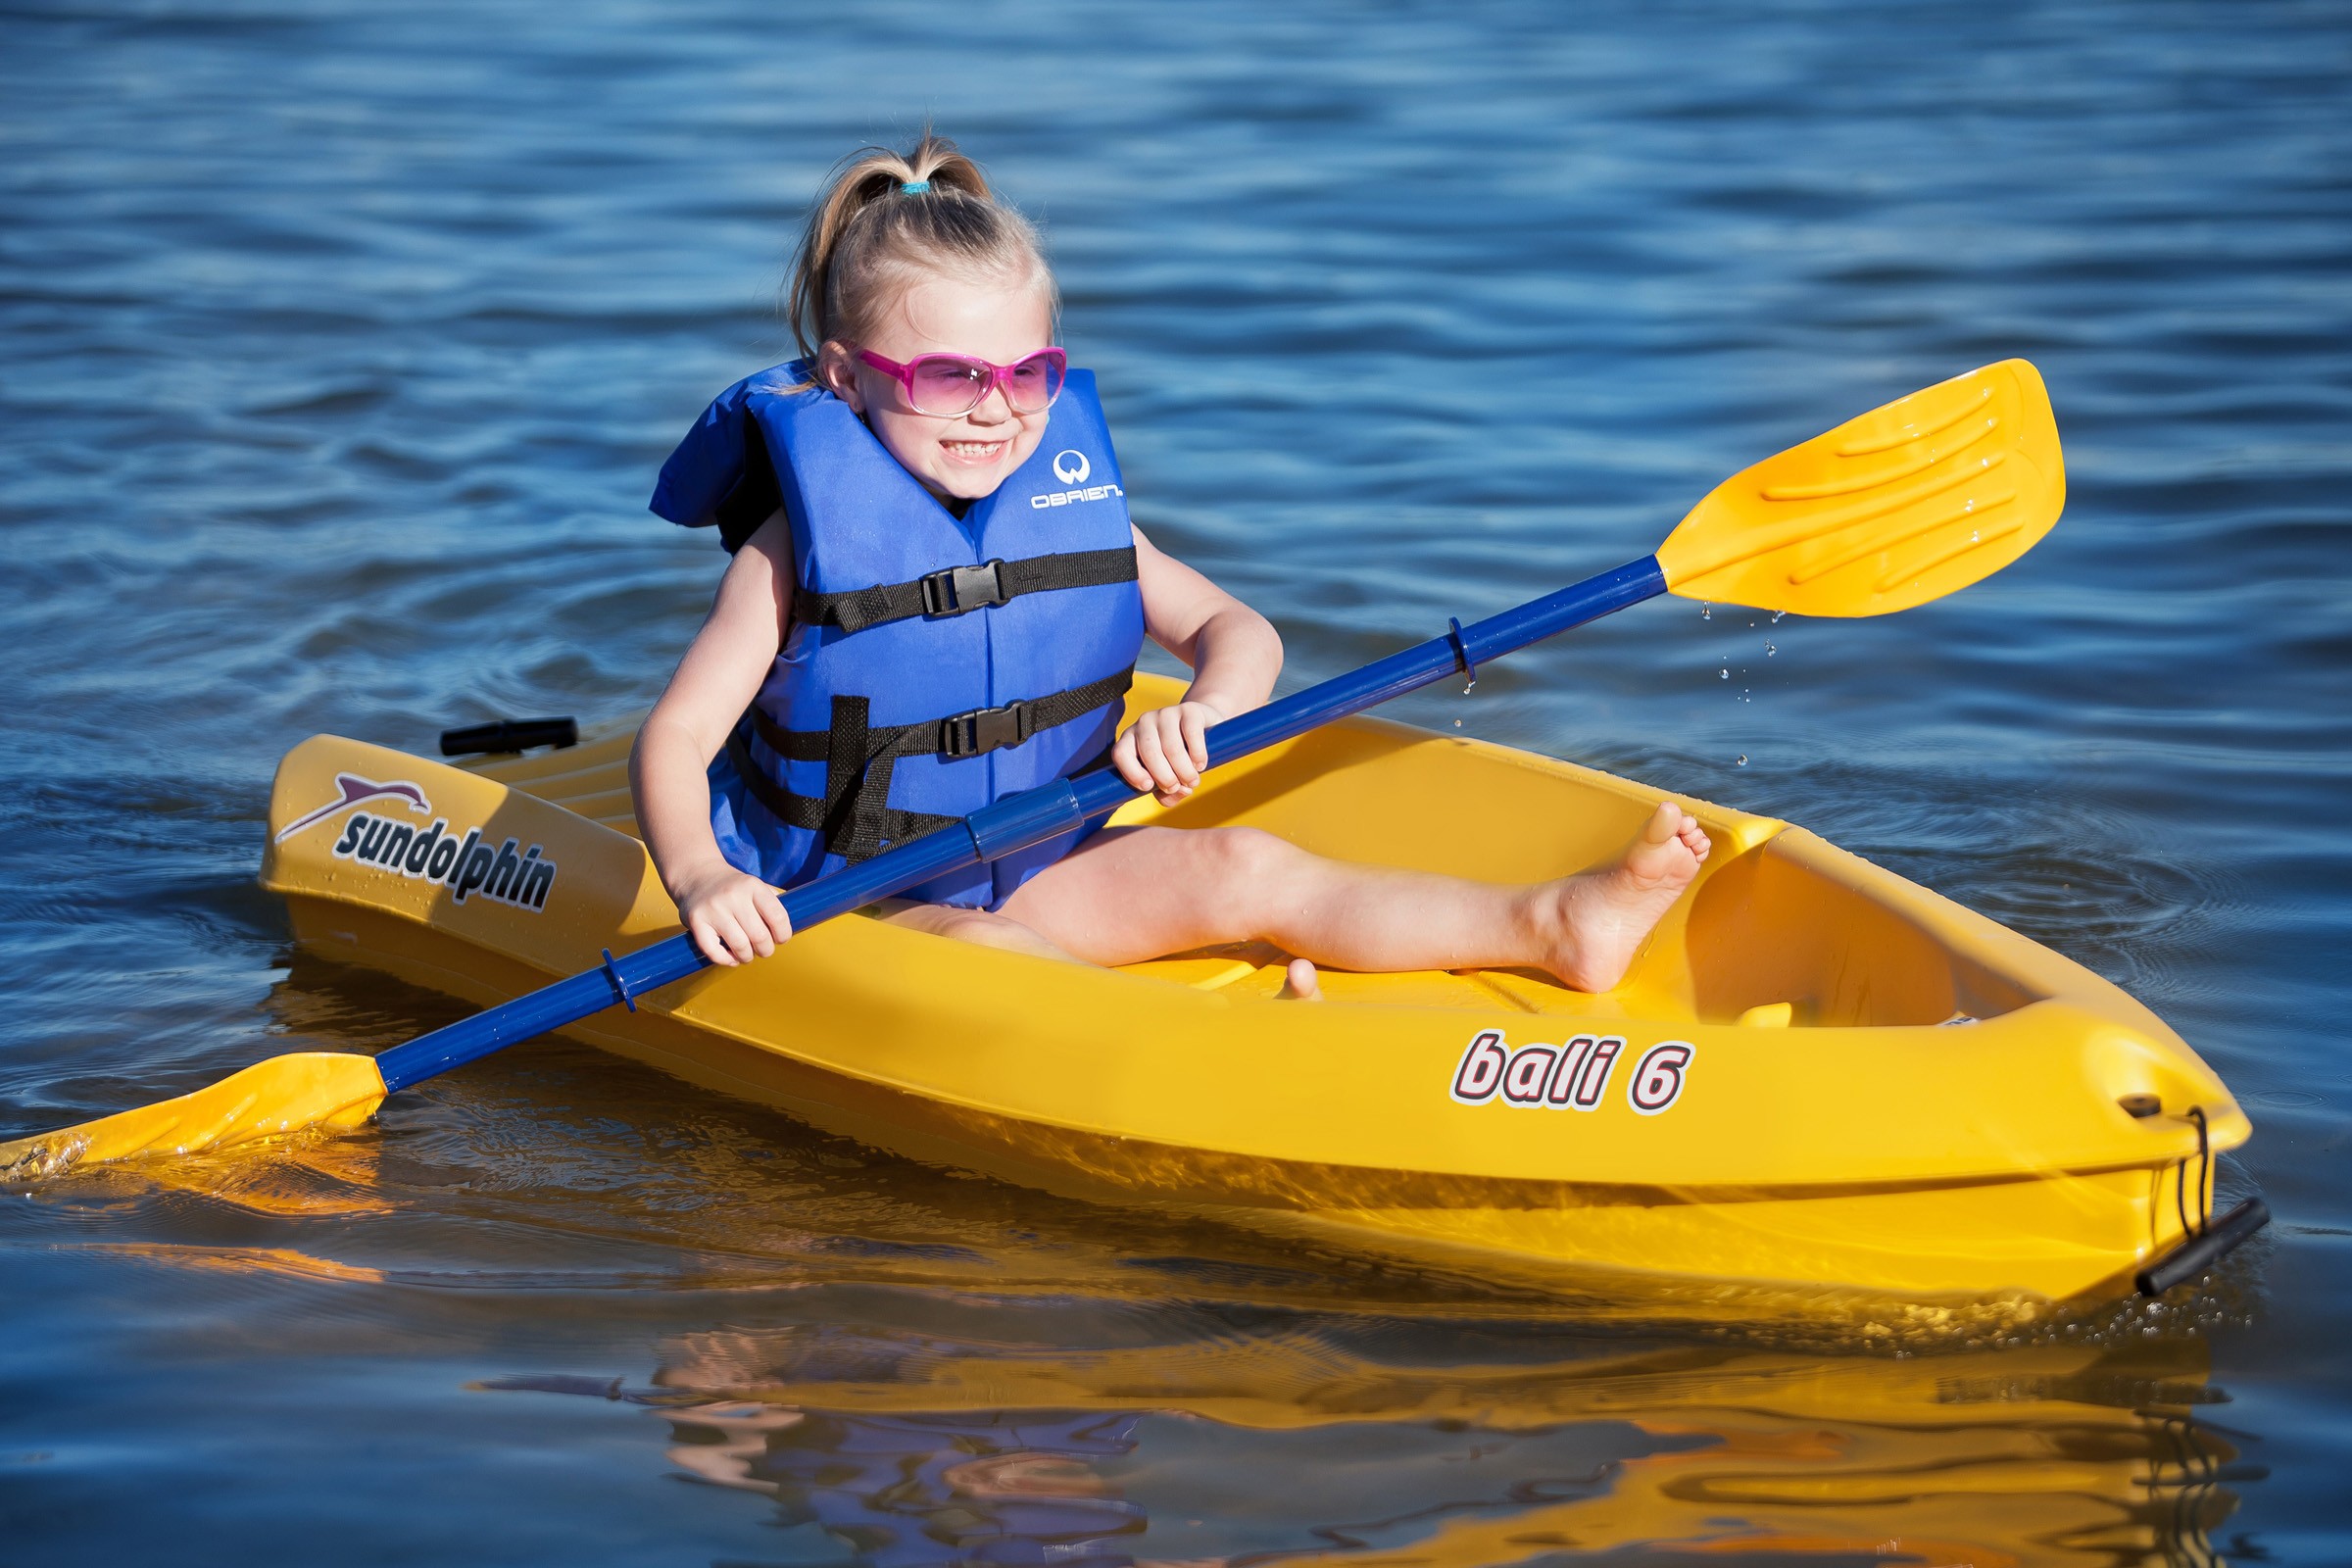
{"points": [[949, 384]]}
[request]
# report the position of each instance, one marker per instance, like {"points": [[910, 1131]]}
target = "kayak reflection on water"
{"points": [[919, 1451], [910, 1489]]}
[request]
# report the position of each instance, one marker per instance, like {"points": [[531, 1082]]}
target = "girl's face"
{"points": [[958, 457]]}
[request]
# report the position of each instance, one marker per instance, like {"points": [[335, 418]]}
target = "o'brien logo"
{"points": [[1573, 1076], [1071, 467], [468, 867]]}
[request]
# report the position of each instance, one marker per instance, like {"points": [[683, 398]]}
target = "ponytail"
{"points": [[884, 215]]}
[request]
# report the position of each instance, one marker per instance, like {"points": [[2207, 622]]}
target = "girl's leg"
{"points": [[1131, 893], [977, 926]]}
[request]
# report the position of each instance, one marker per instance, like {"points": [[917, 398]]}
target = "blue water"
{"points": [[340, 347]]}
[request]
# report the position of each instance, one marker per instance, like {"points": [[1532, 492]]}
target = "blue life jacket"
{"points": [[934, 664]]}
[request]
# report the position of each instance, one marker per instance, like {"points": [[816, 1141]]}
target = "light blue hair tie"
{"points": [[915, 187]]}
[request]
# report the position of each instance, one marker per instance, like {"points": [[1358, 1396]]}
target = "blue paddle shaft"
{"points": [[1026, 818]]}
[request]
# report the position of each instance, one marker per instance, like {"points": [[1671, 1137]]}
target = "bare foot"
{"points": [[1299, 983], [1595, 921]]}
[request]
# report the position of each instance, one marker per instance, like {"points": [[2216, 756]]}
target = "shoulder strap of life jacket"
{"points": [[960, 589]]}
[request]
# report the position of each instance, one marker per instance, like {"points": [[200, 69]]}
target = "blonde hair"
{"points": [[885, 219]]}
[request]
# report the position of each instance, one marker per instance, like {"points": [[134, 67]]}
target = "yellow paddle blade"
{"points": [[1906, 503], [282, 1095]]}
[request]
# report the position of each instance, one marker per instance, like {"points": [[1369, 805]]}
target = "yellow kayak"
{"points": [[1817, 1073]]}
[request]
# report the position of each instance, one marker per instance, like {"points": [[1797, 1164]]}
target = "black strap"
{"points": [[808, 811], [968, 734], [958, 590], [855, 816]]}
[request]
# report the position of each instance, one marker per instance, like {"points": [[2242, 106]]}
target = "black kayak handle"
{"points": [[510, 735], [2203, 1250]]}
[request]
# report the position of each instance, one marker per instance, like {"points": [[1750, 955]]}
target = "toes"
{"points": [[1669, 823], [1299, 983]]}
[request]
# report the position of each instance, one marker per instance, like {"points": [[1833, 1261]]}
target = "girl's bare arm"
{"points": [[733, 917], [1235, 655]]}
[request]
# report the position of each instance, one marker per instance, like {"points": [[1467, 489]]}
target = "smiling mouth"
{"points": [[973, 451]]}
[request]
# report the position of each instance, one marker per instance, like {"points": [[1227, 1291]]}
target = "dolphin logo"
{"points": [[355, 789], [1071, 466]]}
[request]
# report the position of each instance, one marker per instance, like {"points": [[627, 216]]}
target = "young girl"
{"points": [[937, 599]]}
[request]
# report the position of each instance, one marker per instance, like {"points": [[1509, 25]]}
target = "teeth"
{"points": [[973, 449]]}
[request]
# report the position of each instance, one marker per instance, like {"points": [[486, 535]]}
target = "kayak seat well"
{"points": [[1835, 939]]}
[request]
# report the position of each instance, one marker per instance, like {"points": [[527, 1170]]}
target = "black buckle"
{"points": [[984, 729], [961, 588]]}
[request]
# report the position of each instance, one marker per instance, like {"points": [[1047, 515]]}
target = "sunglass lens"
{"points": [[944, 384], [1035, 383]]}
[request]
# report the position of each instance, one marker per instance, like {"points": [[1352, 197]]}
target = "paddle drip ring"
{"points": [[620, 987], [1461, 654]]}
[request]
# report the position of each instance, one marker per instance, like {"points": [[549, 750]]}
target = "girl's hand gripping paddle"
{"points": [[1906, 503]]}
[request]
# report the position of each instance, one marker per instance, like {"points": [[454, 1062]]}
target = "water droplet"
{"points": [[1742, 763], [1723, 674], [1975, 538], [1706, 612], [1776, 614], [1458, 724], [1769, 649]]}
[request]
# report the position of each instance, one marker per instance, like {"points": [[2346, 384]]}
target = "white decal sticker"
{"points": [[467, 865], [1573, 1076], [352, 790], [1657, 1082]]}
